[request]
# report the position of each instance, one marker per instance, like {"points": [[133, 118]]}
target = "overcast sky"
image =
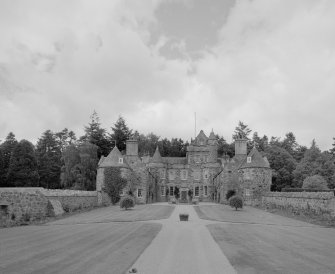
{"points": [[268, 63]]}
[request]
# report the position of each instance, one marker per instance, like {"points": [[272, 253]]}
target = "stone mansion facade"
{"points": [[201, 175]]}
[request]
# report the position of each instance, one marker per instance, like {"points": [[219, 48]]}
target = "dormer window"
{"points": [[120, 160], [248, 160]]}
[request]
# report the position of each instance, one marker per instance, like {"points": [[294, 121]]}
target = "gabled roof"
{"points": [[112, 160], [201, 137], [157, 158], [212, 136], [257, 160]]}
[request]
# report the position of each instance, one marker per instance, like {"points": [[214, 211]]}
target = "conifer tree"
{"points": [[96, 135], [314, 162], [241, 131], [48, 153], [121, 133], [22, 171], [7, 147]]}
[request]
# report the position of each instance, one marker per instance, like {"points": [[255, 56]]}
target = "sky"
{"points": [[268, 63]]}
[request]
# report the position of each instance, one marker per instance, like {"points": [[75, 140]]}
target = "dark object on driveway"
{"points": [[183, 217]]}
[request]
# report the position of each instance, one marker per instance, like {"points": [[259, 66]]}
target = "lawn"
{"points": [[84, 248], [255, 241], [115, 214], [104, 240]]}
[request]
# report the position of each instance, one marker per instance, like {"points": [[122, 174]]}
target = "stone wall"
{"points": [[72, 199], [22, 204], [316, 203], [19, 205]]}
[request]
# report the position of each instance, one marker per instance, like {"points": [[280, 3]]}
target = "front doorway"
{"points": [[183, 196]]}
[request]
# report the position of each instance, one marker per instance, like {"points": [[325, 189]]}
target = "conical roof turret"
{"points": [[113, 159], [157, 158], [212, 136], [255, 159]]}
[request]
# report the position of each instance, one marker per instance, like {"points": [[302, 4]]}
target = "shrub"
{"points": [[315, 182], [230, 193], [127, 202], [236, 202]]}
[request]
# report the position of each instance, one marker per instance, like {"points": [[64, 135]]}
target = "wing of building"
{"points": [[201, 175]]}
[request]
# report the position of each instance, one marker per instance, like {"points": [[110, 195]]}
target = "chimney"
{"points": [[241, 147], [132, 147]]}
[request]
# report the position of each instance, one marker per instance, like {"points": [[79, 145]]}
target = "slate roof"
{"points": [[157, 158], [212, 136], [257, 160], [112, 160]]}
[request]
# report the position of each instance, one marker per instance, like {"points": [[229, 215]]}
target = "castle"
{"points": [[201, 175]]}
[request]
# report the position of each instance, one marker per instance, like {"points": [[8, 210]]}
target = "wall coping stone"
{"points": [[305, 195]]}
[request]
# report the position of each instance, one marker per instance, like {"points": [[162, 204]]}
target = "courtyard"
{"points": [[150, 238]]}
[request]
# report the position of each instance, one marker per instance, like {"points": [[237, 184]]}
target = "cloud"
{"points": [[270, 64]]}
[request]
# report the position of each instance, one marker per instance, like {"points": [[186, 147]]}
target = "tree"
{"points": [[22, 171], [332, 150], [96, 135], [70, 158], [289, 143], [7, 148], [80, 164], [48, 154], [314, 162], [2, 174], [146, 143], [121, 133], [283, 164], [65, 138], [241, 131], [260, 143], [315, 182], [225, 149]]}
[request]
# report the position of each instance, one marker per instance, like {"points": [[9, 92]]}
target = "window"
{"points": [[248, 192], [139, 193], [162, 173], [172, 174], [171, 190], [196, 191], [205, 190], [196, 175], [248, 160], [162, 190], [206, 174], [120, 160], [184, 174], [122, 192]]}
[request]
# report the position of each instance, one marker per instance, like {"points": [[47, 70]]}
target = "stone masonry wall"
{"points": [[72, 199], [317, 203], [22, 204], [28, 204]]}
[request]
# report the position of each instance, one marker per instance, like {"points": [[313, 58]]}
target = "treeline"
{"points": [[61, 160]]}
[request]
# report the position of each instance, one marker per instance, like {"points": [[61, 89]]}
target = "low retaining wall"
{"points": [[22, 204], [19, 205], [72, 199], [317, 203]]}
